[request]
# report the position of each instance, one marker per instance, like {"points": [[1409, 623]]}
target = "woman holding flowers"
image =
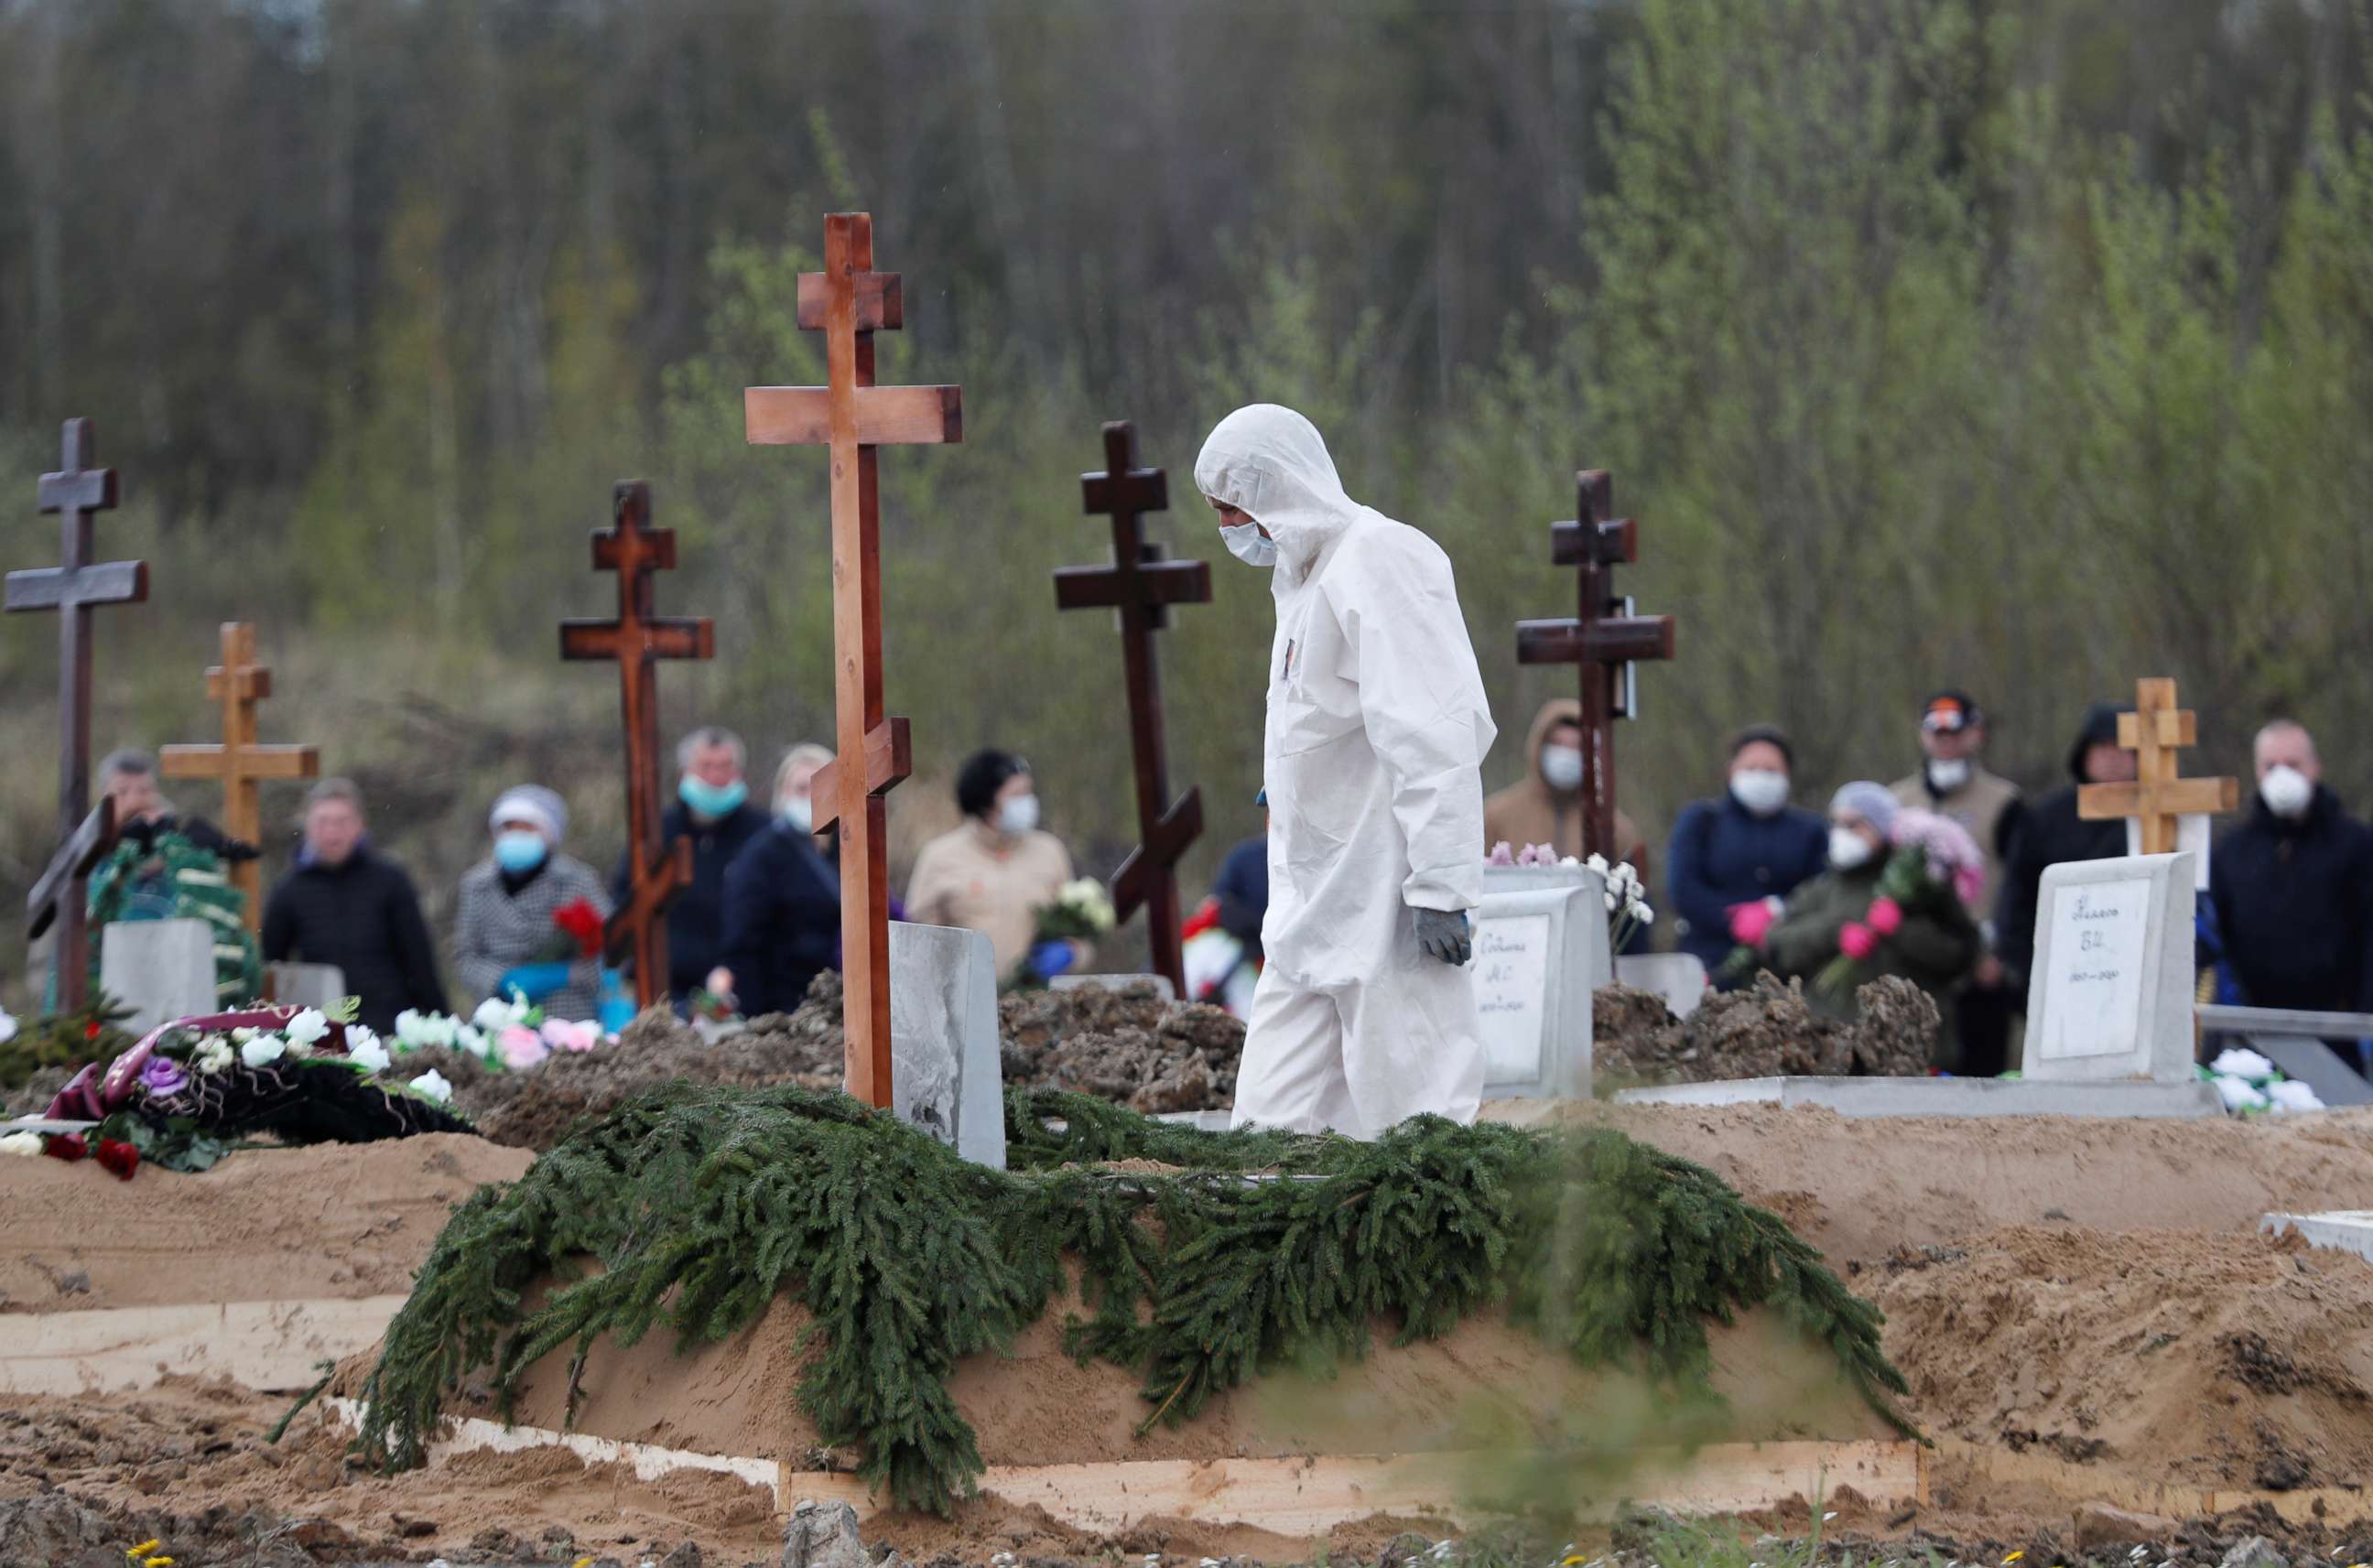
{"points": [[523, 907], [1890, 903]]}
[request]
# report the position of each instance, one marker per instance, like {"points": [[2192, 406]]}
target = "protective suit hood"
{"points": [[1271, 464]]}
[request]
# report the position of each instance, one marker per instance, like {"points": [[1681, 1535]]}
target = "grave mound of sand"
{"points": [[1765, 1031], [2228, 1361], [330, 1221]]}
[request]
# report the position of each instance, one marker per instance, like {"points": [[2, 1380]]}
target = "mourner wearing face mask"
{"points": [[1743, 854], [508, 901], [1934, 948], [2292, 887], [996, 872], [1953, 782], [713, 808], [1544, 806]]}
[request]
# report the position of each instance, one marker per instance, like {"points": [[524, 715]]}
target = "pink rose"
{"points": [[1750, 923], [1500, 855], [1886, 917], [564, 1036], [521, 1046], [1858, 941]]}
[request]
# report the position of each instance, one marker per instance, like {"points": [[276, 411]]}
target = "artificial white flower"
{"points": [[7, 1026], [263, 1050], [307, 1027], [1597, 863], [432, 1085], [1626, 874], [240, 1037], [213, 1055], [364, 1050], [22, 1143], [495, 1015], [1647, 916], [1614, 901]]}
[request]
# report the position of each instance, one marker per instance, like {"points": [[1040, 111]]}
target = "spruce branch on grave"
{"points": [[1247, 1251]]}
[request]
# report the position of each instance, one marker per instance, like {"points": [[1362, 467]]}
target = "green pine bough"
{"points": [[702, 1203]]}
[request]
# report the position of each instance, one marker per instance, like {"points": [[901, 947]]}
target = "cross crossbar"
{"points": [[238, 683], [2159, 796]]}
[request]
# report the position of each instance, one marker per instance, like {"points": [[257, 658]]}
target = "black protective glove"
{"points": [[1445, 934]]}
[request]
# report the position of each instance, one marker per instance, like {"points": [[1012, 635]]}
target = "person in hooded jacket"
{"points": [[1373, 754], [782, 901], [2050, 832], [2292, 887], [1544, 806], [1734, 860], [712, 808]]}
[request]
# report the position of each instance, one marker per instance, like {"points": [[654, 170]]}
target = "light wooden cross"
{"points": [[637, 639], [238, 683], [1141, 586], [1602, 639], [848, 302], [2154, 731]]}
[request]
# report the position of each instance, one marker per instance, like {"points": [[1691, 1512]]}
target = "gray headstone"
{"points": [[160, 969], [1114, 982], [2110, 993], [1678, 977], [947, 1076], [1540, 953], [308, 985]]}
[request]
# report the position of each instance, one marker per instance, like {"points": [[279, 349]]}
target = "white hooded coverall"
{"points": [[1376, 733]]}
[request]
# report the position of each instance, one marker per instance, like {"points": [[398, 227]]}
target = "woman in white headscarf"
{"points": [[1376, 733]]}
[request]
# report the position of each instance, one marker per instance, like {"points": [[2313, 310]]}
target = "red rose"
{"points": [[118, 1157], [583, 923], [66, 1146], [90, 1031]]}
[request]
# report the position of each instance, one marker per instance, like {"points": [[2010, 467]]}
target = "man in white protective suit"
{"points": [[1378, 729]]}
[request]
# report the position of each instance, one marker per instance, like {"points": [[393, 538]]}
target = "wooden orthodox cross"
{"points": [[1603, 638], [72, 588], [2154, 731], [848, 302], [238, 683], [638, 640], [1141, 586]]}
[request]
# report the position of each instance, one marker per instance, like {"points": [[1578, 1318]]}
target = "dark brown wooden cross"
{"points": [[1140, 586], [238, 683], [1603, 640], [72, 588], [638, 640], [848, 302]]}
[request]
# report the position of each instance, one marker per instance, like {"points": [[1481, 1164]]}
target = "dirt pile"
{"points": [[1128, 1045], [265, 1224], [1765, 1031], [2226, 1361]]}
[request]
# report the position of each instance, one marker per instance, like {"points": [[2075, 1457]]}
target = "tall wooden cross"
{"points": [[1141, 586], [2154, 731], [71, 588], [638, 640], [238, 683], [62, 896], [1603, 638], [848, 302]]}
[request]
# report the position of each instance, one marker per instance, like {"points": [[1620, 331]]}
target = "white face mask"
{"points": [[1561, 767], [1947, 773], [1246, 543], [800, 812], [1019, 816], [1760, 789], [2287, 792], [1849, 849]]}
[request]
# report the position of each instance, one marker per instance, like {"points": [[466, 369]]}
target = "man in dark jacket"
{"points": [[2292, 887], [2050, 832], [343, 904], [1751, 847], [713, 808]]}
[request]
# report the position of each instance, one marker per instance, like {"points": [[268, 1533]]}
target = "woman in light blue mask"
{"points": [[505, 939]]}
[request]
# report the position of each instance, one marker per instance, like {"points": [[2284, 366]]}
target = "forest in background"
{"points": [[2019, 345]]}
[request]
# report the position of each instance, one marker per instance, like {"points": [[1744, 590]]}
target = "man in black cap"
{"points": [[2050, 832], [1953, 783]]}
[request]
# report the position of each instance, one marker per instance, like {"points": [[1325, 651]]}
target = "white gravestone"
{"points": [[2110, 994], [947, 1076], [307, 984], [1540, 952], [1678, 977], [160, 969]]}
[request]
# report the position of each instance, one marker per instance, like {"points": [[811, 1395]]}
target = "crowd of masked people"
{"points": [[2288, 921], [760, 920], [1748, 873]]}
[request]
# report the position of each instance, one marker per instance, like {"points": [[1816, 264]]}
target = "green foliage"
{"points": [[70, 1040], [177, 1144], [702, 1204]]}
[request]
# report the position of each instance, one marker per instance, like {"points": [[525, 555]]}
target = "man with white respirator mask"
{"points": [[2293, 887], [1377, 728]]}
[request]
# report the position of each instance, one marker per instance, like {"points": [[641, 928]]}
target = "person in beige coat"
{"points": [[993, 873], [1953, 782]]}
